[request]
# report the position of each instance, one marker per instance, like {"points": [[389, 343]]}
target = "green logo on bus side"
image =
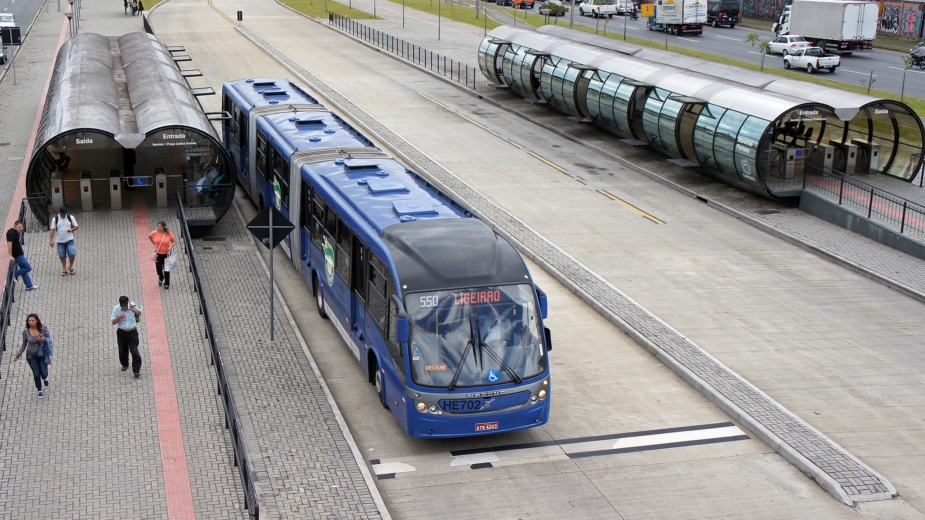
{"points": [[277, 195], [329, 262]]}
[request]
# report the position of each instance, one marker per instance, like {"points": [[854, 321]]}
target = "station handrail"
{"points": [[232, 421]]}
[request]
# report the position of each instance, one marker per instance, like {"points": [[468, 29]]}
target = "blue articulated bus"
{"points": [[440, 311]]}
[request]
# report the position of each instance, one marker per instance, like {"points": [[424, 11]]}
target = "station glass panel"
{"points": [[487, 52], [668, 124], [609, 101], [569, 87], [547, 81], [746, 148], [595, 86], [704, 132], [650, 115], [507, 62], [906, 160], [884, 132], [621, 107], [519, 81], [724, 142], [559, 95], [526, 74]]}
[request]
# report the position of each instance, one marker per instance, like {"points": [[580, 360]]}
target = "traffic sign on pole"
{"points": [[270, 227]]}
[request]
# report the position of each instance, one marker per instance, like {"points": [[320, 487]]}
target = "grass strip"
{"points": [[321, 8]]}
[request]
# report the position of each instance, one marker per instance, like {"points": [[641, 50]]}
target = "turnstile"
{"points": [[115, 190], [846, 157], [823, 157], [86, 192], [868, 156], [57, 190], [160, 187]]}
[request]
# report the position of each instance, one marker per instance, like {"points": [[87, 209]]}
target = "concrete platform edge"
{"points": [[361, 463], [824, 480]]}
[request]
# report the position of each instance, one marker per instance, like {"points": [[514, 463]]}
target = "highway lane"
{"points": [[24, 11], [887, 66]]}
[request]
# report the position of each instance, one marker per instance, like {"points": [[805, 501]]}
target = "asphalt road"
{"points": [[24, 11], [886, 66]]}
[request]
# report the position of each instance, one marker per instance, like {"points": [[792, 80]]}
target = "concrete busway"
{"points": [[771, 302], [120, 119]]}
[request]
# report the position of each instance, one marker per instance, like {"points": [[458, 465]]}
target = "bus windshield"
{"points": [[475, 337]]}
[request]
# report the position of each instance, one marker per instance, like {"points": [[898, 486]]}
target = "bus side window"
{"points": [[281, 173], [261, 161], [235, 117], [330, 223], [242, 128], [305, 213], [226, 107], [376, 304], [343, 251], [318, 220], [393, 318], [358, 283]]}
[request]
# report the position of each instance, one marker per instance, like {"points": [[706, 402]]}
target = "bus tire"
{"points": [[380, 387], [319, 298]]}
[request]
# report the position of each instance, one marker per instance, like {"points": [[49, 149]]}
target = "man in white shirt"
{"points": [[62, 228], [126, 315]]}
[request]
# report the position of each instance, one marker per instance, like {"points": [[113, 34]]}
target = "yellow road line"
{"points": [[630, 206], [496, 134], [432, 100], [480, 125], [513, 143], [233, 22], [554, 165]]}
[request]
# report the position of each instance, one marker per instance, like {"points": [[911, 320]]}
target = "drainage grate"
{"points": [[768, 212]]}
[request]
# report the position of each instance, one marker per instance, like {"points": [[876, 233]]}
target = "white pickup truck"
{"points": [[812, 59], [597, 8]]}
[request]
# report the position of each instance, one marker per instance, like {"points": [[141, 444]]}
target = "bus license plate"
{"points": [[486, 426], [462, 405]]}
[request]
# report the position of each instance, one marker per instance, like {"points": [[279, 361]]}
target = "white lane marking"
{"points": [[669, 438], [689, 40], [910, 70], [856, 72], [475, 458], [392, 467], [727, 38]]}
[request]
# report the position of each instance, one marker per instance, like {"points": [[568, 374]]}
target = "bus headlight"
{"points": [[433, 408], [533, 398], [545, 382], [421, 407], [542, 394]]}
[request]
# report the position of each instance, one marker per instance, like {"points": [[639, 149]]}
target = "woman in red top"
{"points": [[163, 241]]}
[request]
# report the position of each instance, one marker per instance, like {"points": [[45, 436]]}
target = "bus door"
{"points": [[338, 295], [358, 294]]}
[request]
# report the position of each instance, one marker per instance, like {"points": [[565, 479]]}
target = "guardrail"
{"points": [[893, 211], [232, 422], [9, 287], [455, 71]]}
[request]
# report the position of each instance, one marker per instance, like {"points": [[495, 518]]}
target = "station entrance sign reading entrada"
{"points": [[121, 124], [757, 131]]}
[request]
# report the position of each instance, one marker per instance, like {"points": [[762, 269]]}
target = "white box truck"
{"points": [[834, 25], [679, 16]]}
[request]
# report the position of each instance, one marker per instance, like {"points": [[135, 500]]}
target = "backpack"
{"points": [[69, 217]]}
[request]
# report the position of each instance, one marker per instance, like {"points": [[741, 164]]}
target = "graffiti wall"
{"points": [[897, 19]]}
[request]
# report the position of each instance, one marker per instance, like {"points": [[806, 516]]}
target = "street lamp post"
{"points": [[439, 15]]}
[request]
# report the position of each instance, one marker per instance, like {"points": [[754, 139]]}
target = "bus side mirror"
{"points": [[548, 334], [401, 332], [544, 305]]}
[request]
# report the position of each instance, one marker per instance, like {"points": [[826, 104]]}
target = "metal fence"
{"points": [[31, 223], [232, 422], [455, 71], [893, 211]]}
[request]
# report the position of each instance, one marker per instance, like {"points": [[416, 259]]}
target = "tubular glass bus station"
{"points": [[121, 123], [755, 130]]}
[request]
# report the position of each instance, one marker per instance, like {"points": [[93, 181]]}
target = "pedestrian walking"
{"points": [[125, 4], [126, 316], [164, 242], [141, 8], [36, 342], [134, 6], [14, 249], [62, 236]]}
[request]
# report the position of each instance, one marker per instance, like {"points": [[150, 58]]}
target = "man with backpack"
{"points": [[62, 235]]}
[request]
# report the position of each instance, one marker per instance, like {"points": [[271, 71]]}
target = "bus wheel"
{"points": [[380, 388], [319, 300]]}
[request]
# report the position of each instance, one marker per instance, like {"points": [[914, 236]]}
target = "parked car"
{"points": [[553, 8], [597, 8], [812, 59], [787, 44]]}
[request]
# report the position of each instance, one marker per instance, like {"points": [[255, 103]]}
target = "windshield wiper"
{"points": [[469, 345], [497, 358]]}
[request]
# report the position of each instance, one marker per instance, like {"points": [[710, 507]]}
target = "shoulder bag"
{"points": [[154, 256]]}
